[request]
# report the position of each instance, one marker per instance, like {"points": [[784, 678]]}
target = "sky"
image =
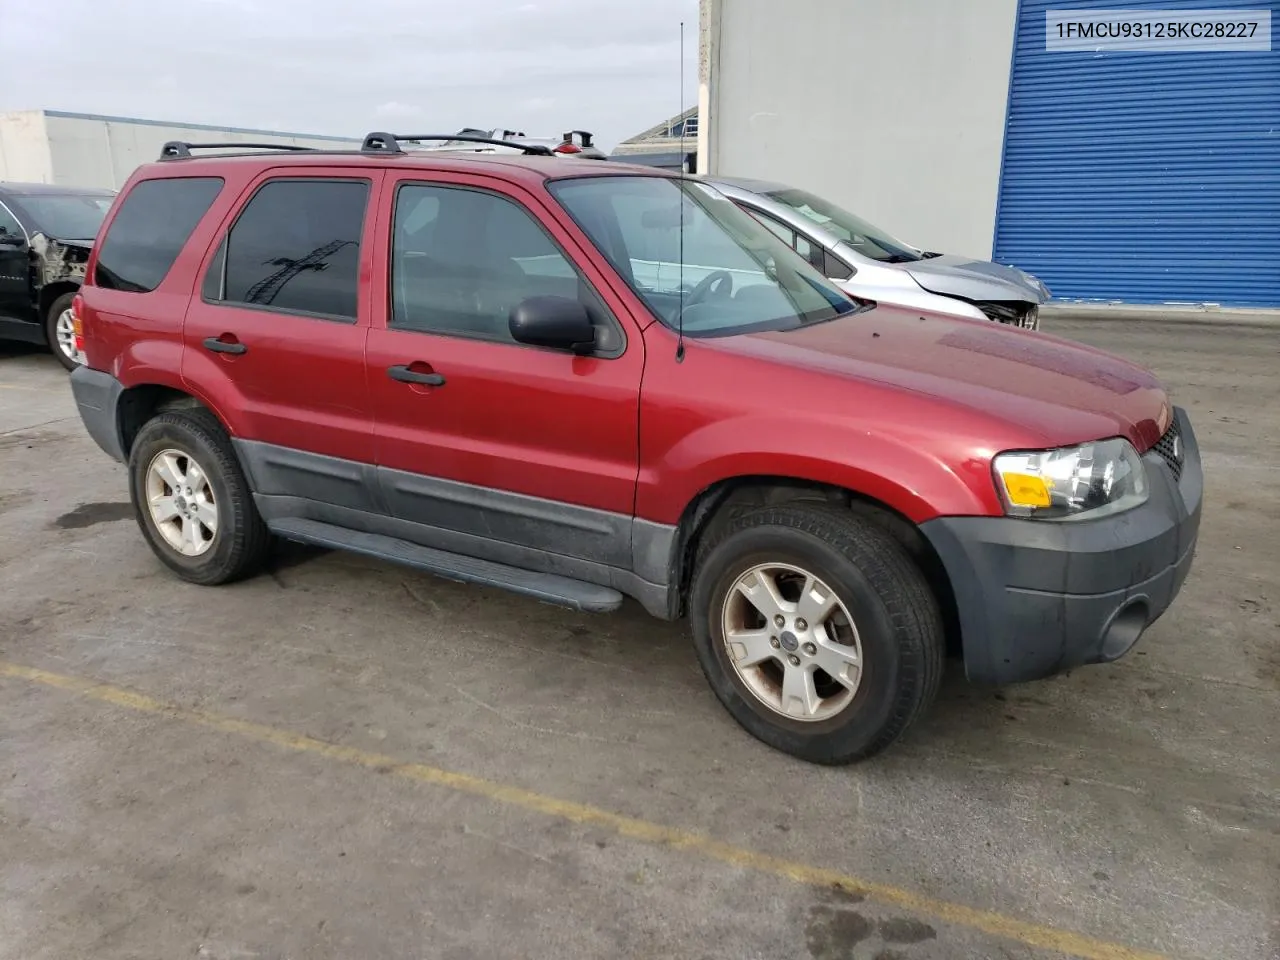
{"points": [[345, 67]]}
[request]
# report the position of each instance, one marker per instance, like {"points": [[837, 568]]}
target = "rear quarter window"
{"points": [[153, 224]]}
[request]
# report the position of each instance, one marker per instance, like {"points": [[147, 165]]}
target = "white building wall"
{"points": [[894, 109], [24, 148], [85, 150]]}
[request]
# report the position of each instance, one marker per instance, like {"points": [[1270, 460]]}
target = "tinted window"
{"points": [[461, 259], [149, 231], [837, 269], [296, 247], [67, 216], [696, 259]]}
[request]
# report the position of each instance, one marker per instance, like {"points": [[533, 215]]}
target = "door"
{"points": [[15, 272], [278, 335], [496, 441]]}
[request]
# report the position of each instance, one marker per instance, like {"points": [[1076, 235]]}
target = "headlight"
{"points": [[1082, 482]]}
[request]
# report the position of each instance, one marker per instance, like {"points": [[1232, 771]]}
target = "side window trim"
{"points": [[17, 220], [221, 249], [607, 314]]}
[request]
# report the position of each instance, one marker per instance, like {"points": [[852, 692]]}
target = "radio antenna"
{"points": [[683, 165]]}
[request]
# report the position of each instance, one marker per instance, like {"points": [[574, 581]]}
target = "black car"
{"points": [[45, 236]]}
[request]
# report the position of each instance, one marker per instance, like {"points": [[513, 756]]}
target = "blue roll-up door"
{"points": [[1143, 177]]}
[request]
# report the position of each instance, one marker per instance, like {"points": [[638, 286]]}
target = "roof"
{"points": [[517, 167], [662, 131], [746, 183], [50, 190]]}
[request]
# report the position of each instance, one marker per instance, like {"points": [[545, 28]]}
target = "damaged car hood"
{"points": [[957, 276]]}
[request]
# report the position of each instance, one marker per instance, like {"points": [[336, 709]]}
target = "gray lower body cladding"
{"points": [[630, 555], [1039, 597]]}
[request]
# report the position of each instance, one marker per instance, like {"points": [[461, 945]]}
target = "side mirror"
{"points": [[556, 322]]}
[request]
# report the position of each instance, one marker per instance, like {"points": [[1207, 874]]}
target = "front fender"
{"points": [[917, 485]]}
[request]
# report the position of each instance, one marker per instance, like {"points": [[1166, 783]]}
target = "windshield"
{"points": [[68, 216], [868, 240], [692, 255]]}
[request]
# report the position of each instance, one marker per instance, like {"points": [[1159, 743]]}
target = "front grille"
{"points": [[1171, 450], [1014, 313]]}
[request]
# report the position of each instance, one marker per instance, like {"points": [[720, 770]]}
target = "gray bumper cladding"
{"points": [[97, 397], [1037, 597]]}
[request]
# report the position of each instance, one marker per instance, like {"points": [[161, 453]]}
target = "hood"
{"points": [[1054, 392], [956, 276], [68, 242]]}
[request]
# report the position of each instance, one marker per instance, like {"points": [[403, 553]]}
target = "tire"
{"points": [[235, 542], [885, 617], [65, 353]]}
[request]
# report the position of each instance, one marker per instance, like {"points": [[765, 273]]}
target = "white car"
{"points": [[870, 263]]}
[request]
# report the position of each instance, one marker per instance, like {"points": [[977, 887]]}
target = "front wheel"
{"points": [[60, 332], [816, 631]]}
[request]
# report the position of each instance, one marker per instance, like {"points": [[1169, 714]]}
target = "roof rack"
{"points": [[584, 134], [378, 142], [177, 149]]}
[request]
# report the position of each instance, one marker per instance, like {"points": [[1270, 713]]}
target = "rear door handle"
{"points": [[402, 373], [218, 345]]}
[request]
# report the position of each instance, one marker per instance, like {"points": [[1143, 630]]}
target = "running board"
{"points": [[547, 587]]}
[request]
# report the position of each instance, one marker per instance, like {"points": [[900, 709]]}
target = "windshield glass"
{"points": [[868, 240], [690, 253], [66, 217]]}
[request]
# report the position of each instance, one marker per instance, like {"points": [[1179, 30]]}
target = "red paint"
{"points": [[904, 408]]}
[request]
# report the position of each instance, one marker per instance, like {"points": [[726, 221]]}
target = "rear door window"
{"points": [[152, 226], [295, 248]]}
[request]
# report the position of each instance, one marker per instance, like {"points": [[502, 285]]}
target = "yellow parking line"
{"points": [[986, 921]]}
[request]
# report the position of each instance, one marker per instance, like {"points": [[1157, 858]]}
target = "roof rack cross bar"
{"points": [[379, 142], [178, 149]]}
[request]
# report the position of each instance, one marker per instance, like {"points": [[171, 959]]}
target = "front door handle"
{"points": [[230, 345], [405, 374]]}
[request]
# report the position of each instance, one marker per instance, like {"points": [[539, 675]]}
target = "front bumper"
{"points": [[1037, 597]]}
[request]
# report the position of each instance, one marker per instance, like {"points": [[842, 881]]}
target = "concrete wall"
{"points": [[894, 109], [91, 151], [24, 148]]}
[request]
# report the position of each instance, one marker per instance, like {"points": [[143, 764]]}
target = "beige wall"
{"points": [[892, 108], [104, 152], [41, 147], [24, 148]]}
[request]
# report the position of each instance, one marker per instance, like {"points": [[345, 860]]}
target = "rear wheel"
{"points": [[192, 501], [59, 331], [816, 631]]}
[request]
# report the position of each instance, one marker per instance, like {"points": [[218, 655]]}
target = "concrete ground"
{"points": [[345, 759]]}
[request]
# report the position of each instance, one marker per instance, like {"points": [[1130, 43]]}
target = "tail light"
{"points": [[77, 320], [568, 148]]}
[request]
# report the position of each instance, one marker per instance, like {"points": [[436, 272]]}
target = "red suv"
{"points": [[582, 382]]}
